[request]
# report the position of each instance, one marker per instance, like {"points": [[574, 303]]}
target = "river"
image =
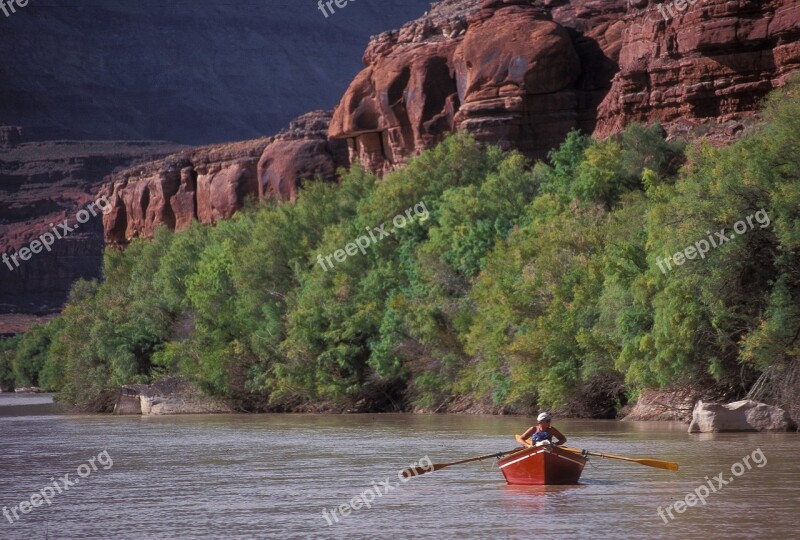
{"points": [[271, 476]]}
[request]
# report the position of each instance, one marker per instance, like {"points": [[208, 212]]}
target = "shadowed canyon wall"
{"points": [[44, 183], [194, 72]]}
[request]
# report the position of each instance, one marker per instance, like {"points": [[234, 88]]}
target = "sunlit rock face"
{"points": [[522, 73], [209, 184], [206, 184], [710, 65], [301, 152], [517, 73]]}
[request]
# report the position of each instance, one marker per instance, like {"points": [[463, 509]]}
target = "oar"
{"points": [[659, 464], [416, 471], [668, 465]]}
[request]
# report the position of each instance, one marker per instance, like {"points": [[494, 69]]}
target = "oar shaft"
{"points": [[657, 463], [479, 458], [416, 471]]}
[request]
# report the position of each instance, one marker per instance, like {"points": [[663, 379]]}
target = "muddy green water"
{"points": [[271, 476]]}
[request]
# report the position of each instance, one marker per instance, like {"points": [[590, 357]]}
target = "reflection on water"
{"points": [[270, 476], [12, 404], [538, 500], [18, 400]]}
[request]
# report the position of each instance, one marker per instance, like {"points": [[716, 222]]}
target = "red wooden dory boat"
{"points": [[542, 465]]}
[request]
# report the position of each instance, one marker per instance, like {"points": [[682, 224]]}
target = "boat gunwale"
{"points": [[536, 450]]}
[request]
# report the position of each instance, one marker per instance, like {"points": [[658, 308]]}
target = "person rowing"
{"points": [[544, 431]]}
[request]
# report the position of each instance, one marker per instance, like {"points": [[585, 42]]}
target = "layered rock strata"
{"points": [[703, 70], [210, 183]]}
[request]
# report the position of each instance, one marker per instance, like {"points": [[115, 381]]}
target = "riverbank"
{"points": [[704, 409], [176, 397]]}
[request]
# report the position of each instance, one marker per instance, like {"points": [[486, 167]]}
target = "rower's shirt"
{"points": [[551, 432]]}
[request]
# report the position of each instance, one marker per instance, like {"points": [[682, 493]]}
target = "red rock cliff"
{"points": [[515, 72], [210, 183], [710, 64], [522, 73]]}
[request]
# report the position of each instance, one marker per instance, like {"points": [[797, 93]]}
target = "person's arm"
{"points": [[555, 433], [528, 433]]}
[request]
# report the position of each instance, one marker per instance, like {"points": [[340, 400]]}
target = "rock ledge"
{"points": [[745, 415], [171, 395]]}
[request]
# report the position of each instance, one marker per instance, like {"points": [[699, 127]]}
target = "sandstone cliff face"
{"points": [[710, 65], [205, 184], [301, 152], [508, 71], [209, 184], [522, 73]]}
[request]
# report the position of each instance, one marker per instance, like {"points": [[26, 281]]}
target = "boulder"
{"points": [[745, 415], [28, 390], [671, 404], [128, 402], [180, 404], [171, 395]]}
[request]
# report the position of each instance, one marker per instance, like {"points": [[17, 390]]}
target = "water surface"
{"points": [[271, 476]]}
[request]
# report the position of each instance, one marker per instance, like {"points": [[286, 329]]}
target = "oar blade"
{"points": [[666, 465], [416, 471]]}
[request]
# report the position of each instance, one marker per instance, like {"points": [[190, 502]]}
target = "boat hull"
{"points": [[541, 466]]}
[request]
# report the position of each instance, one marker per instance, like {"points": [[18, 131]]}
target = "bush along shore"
{"points": [[526, 286]]}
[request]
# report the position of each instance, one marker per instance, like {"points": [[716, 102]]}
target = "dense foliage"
{"points": [[520, 285]]}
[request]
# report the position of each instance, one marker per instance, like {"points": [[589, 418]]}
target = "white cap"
{"points": [[544, 416]]}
